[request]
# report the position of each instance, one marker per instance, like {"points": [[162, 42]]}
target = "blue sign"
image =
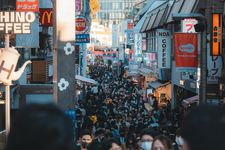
{"points": [[82, 38]]}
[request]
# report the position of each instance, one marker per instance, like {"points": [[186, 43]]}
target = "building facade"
{"points": [[113, 11]]}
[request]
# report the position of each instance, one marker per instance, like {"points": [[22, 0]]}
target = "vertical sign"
{"points": [[138, 46], [214, 67], [94, 6], [78, 6], [163, 42], [186, 51], [27, 5], [216, 41]]}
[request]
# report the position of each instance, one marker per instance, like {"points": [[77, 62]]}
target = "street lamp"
{"points": [[200, 27]]}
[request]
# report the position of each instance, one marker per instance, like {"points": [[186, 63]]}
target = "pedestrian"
{"points": [[85, 140], [161, 142], [40, 127], [146, 138], [110, 144]]}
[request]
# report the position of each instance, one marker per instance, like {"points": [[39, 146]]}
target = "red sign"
{"points": [[130, 25], [186, 50], [81, 24], [27, 5], [45, 16]]}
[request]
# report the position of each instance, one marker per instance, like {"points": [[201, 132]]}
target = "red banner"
{"points": [[45, 16], [186, 50], [27, 5]]}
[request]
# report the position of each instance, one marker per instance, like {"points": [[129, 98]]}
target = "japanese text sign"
{"points": [[27, 5], [216, 41]]}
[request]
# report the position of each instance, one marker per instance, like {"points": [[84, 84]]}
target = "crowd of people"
{"points": [[115, 108], [112, 116]]}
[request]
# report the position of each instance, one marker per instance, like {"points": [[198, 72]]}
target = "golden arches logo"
{"points": [[48, 15]]}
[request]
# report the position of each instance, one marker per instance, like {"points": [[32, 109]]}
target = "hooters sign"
{"points": [[45, 16]]}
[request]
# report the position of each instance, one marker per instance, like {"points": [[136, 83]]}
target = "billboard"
{"points": [[186, 51]]}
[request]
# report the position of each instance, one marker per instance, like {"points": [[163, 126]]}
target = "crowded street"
{"points": [[116, 109], [112, 75]]}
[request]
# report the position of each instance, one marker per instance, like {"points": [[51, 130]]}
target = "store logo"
{"points": [[46, 17], [188, 48]]}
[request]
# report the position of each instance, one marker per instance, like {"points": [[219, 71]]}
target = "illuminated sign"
{"points": [[45, 16], [216, 41], [16, 22], [27, 5]]}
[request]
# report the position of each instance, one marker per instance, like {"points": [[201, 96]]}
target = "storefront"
{"points": [[162, 92]]}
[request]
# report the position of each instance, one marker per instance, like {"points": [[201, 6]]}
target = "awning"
{"points": [[148, 18], [144, 71], [85, 79], [161, 12], [133, 73], [156, 84], [190, 100], [183, 7]]}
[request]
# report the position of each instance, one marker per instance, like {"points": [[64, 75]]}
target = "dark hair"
{"points": [[203, 128], [85, 132], [41, 127], [167, 143], [107, 144], [148, 131]]}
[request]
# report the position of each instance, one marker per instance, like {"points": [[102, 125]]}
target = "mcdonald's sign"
{"points": [[45, 16]]}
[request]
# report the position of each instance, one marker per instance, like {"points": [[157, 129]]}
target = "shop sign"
{"points": [[27, 5], [188, 25], [186, 51], [130, 25], [214, 66], [94, 6], [216, 41], [16, 22], [45, 16], [78, 6], [81, 25], [164, 44], [82, 38], [138, 44]]}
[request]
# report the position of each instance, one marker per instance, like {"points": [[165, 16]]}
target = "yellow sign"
{"points": [[94, 6], [216, 35]]}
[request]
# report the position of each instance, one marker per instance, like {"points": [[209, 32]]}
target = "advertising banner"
{"points": [[45, 16], [29, 40], [163, 49], [186, 51], [214, 66], [27, 5]]}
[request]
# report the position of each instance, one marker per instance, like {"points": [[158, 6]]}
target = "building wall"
{"points": [[113, 11]]}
